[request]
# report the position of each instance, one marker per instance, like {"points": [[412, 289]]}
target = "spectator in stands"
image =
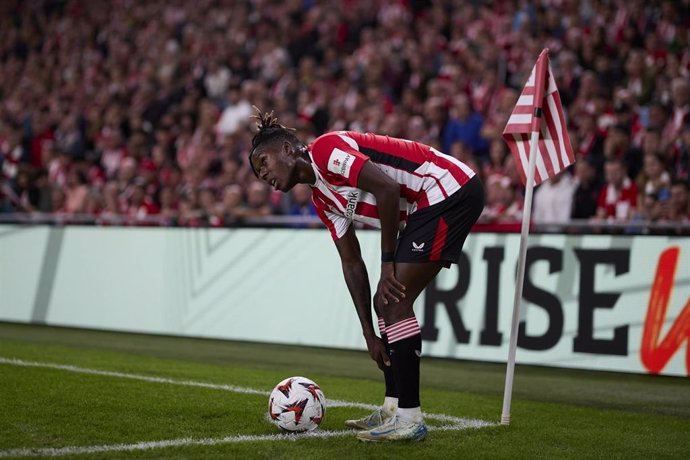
{"points": [[44, 188], [680, 97], [27, 194], [677, 208], [497, 118], [618, 198], [436, 115], [495, 164], [169, 207], [301, 203], [172, 93], [76, 192], [465, 125], [654, 179], [588, 140], [188, 215], [618, 145], [69, 137], [648, 211], [58, 201], [138, 206], [553, 199], [257, 202], [211, 209], [112, 204], [232, 203], [235, 114], [586, 194], [501, 206], [680, 154], [217, 80]]}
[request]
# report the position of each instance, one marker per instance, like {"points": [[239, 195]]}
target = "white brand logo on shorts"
{"points": [[417, 247]]}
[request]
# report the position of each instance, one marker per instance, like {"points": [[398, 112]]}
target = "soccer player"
{"points": [[424, 202]]}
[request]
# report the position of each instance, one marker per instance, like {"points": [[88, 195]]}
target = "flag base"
{"points": [[505, 420]]}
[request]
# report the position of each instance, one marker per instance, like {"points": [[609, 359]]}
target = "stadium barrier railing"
{"points": [[575, 226]]}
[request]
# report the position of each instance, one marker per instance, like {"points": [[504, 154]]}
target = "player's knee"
{"points": [[394, 312]]}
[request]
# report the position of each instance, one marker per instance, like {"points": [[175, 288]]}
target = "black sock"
{"points": [[406, 350], [391, 390]]}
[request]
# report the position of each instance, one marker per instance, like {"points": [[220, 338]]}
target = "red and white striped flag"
{"points": [[539, 99]]}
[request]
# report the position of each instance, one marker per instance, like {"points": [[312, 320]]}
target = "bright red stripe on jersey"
{"points": [[367, 209], [447, 162]]}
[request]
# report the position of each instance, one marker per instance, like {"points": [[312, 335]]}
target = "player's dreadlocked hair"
{"points": [[268, 129]]}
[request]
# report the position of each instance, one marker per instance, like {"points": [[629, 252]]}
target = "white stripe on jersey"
{"points": [[350, 141], [446, 183], [322, 186], [340, 223], [413, 181], [466, 169]]}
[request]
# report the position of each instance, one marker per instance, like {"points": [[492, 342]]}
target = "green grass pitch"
{"points": [[142, 396]]}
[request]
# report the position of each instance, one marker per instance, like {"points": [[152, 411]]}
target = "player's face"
{"points": [[275, 166]]}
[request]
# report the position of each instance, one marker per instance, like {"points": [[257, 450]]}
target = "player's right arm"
{"points": [[357, 280]]}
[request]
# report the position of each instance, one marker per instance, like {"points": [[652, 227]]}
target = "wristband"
{"points": [[387, 257]]}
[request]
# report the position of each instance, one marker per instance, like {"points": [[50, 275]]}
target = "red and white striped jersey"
{"points": [[426, 177]]}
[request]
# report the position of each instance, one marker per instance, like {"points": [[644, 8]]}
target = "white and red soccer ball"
{"points": [[297, 404]]}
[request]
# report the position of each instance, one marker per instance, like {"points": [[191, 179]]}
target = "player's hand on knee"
{"points": [[389, 288], [377, 351]]}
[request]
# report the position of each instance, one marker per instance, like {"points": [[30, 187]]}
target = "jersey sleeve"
{"points": [[337, 157]]}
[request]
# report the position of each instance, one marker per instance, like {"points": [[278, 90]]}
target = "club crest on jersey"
{"points": [[417, 247], [340, 162]]}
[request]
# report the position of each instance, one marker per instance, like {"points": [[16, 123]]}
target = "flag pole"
{"points": [[526, 216], [539, 80]]}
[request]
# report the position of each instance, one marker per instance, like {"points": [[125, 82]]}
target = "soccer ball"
{"points": [[297, 404]]}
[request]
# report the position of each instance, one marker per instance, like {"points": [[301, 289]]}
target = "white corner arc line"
{"points": [[453, 423]]}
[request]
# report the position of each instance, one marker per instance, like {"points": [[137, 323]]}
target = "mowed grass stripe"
{"points": [[456, 423], [556, 413], [595, 389]]}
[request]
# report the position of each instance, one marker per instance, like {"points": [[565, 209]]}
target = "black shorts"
{"points": [[437, 233]]}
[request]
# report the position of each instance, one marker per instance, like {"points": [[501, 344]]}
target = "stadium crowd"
{"points": [[139, 112]]}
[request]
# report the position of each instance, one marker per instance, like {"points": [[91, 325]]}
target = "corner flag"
{"points": [[539, 100], [550, 152]]}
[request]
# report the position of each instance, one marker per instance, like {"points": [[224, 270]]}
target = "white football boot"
{"points": [[373, 420], [395, 429]]}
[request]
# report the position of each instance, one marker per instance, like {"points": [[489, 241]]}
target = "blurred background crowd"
{"points": [[138, 112]]}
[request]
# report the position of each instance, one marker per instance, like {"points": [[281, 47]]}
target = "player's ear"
{"points": [[288, 149]]}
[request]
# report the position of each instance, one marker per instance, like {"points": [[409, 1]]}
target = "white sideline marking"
{"points": [[57, 452], [454, 423]]}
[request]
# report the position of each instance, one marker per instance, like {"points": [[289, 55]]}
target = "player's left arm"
{"points": [[357, 280], [387, 193]]}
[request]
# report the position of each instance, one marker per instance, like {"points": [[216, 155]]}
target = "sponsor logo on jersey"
{"points": [[340, 162], [351, 203], [417, 247]]}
